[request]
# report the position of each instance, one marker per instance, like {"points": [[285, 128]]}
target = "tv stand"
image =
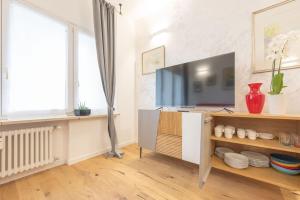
{"points": [[190, 107], [172, 133], [183, 111]]}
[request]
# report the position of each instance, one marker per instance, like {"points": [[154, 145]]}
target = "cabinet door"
{"points": [[205, 153], [147, 128], [169, 134], [191, 136], [170, 123]]}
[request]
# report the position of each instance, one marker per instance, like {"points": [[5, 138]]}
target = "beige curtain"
{"points": [[104, 25]]}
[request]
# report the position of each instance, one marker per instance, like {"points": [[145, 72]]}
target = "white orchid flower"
{"points": [[293, 35], [277, 47]]}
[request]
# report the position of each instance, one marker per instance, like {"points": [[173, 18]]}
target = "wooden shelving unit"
{"points": [[267, 175], [255, 116], [267, 144], [261, 123]]}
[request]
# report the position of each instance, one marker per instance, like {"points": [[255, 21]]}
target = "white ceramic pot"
{"points": [[219, 130], [229, 131], [228, 135], [277, 104], [241, 133], [252, 135]]}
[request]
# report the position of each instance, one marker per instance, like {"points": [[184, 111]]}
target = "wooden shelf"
{"points": [[267, 144], [255, 116], [267, 175]]}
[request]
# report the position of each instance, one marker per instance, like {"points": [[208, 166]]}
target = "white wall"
{"points": [[85, 140], [196, 29]]}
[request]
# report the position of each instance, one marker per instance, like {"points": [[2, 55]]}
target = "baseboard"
{"points": [[97, 153], [32, 171], [126, 143], [85, 157]]}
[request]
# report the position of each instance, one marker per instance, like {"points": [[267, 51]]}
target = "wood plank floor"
{"points": [[154, 177]]}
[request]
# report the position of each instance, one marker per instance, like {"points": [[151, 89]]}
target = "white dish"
{"points": [[236, 160], [220, 151], [266, 136], [257, 159]]}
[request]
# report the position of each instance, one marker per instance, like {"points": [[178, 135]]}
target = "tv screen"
{"points": [[207, 82]]}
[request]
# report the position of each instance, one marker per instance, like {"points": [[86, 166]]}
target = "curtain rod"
{"points": [[120, 9]]}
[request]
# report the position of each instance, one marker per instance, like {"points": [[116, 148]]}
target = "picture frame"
{"points": [[153, 59], [269, 22]]}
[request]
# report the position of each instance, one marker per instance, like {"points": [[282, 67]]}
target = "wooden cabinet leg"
{"points": [[141, 152]]}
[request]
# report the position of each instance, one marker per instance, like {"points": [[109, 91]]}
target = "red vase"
{"points": [[255, 99]]}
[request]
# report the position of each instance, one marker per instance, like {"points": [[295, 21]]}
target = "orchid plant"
{"points": [[277, 51]]}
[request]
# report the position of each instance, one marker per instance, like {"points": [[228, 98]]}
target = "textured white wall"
{"points": [[196, 29]]}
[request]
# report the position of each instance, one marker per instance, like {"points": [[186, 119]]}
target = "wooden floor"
{"points": [[154, 177]]}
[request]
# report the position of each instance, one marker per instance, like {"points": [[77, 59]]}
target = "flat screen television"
{"points": [[207, 82]]}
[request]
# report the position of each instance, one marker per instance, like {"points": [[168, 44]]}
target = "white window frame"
{"points": [[4, 69], [76, 81], [72, 97]]}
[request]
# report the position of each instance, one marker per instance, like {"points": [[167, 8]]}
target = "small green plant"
{"points": [[277, 79], [277, 51], [82, 106]]}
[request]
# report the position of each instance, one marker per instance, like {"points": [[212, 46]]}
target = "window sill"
{"points": [[14, 121]]}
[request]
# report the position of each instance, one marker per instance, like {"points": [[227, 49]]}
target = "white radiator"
{"points": [[25, 149]]}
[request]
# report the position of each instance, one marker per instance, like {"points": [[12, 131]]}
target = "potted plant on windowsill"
{"points": [[278, 50], [82, 110]]}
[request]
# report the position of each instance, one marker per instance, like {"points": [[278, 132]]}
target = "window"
{"points": [[35, 60], [90, 89], [40, 54]]}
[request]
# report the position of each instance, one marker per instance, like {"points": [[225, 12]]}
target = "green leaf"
{"points": [[277, 83]]}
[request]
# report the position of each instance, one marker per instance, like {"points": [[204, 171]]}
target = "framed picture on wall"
{"points": [[268, 25], [153, 59]]}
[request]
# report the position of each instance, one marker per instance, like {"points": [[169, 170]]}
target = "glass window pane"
{"points": [[90, 89], [36, 58]]}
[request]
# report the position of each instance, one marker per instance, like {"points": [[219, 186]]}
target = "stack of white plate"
{"points": [[219, 151], [236, 160], [257, 159], [266, 136]]}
